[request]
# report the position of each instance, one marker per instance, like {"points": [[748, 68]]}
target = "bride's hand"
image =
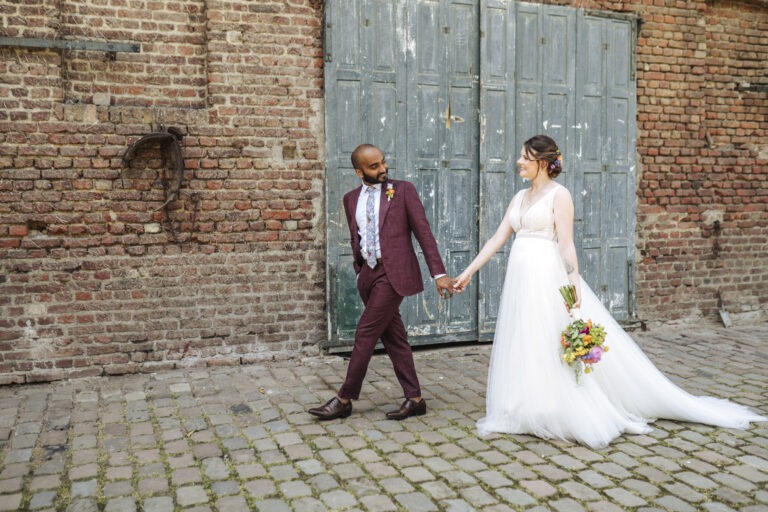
{"points": [[461, 282]]}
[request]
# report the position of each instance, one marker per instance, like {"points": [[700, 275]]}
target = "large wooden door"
{"points": [[450, 89]]}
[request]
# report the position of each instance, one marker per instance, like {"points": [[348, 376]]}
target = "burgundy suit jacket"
{"points": [[398, 218]]}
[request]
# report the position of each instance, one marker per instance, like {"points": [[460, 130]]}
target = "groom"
{"points": [[382, 215]]}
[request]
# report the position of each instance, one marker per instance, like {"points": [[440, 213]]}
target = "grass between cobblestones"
{"points": [[230, 439]]}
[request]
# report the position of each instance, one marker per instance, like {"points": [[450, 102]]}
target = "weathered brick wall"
{"points": [[702, 217], [97, 276]]}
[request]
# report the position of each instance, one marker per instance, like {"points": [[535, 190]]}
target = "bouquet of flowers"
{"points": [[583, 342]]}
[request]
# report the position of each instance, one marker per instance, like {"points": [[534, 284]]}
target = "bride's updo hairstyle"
{"points": [[543, 148]]}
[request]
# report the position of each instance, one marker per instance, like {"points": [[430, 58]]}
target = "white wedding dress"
{"points": [[532, 391]]}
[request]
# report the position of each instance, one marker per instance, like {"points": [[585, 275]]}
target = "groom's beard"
{"points": [[380, 178]]}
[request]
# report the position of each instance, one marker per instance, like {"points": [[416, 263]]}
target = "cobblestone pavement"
{"points": [[234, 439]]}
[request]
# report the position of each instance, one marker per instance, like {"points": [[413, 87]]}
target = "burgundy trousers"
{"points": [[380, 320]]}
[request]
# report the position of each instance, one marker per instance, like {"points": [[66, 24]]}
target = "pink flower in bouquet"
{"points": [[594, 356]]}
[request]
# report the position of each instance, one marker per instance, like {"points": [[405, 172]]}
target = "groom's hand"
{"points": [[444, 286]]}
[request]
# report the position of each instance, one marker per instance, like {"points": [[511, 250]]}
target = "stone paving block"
{"points": [[579, 491], [378, 503], [451, 451], [115, 473], [456, 506], [756, 462], [696, 480], [684, 492], [417, 474], [604, 506], [731, 496], [499, 507], [568, 462], [21, 455], [45, 482], [653, 474], [83, 505], [295, 489], [152, 469], [551, 472], [594, 479], [323, 482], [183, 460], [348, 471], [338, 499], [10, 485], [260, 488], [225, 488], [641, 487], [215, 468], [517, 471], [366, 455], [749, 473], [493, 479], [272, 505], [625, 498], [733, 482], [566, 505], [282, 473], [477, 496], [416, 501], [149, 486], [11, 502], [232, 504], [438, 490], [42, 500], [85, 489], [120, 505], [516, 497], [191, 495], [539, 488], [308, 466], [674, 504], [185, 476], [716, 507], [118, 488]]}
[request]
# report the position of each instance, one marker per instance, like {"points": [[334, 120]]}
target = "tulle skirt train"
{"points": [[530, 389]]}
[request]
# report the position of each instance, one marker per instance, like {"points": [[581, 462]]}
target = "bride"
{"points": [[530, 389]]}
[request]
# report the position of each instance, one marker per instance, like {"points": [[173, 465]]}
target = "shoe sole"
{"points": [[400, 418], [328, 418]]}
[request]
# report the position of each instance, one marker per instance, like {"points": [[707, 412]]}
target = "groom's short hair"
{"points": [[356, 154]]}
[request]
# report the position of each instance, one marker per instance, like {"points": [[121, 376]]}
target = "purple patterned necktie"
{"points": [[370, 229]]}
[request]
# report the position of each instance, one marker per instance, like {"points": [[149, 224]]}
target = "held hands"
{"points": [[461, 282], [444, 286]]}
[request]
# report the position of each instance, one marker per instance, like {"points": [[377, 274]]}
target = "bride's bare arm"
{"points": [[564, 226], [503, 232]]}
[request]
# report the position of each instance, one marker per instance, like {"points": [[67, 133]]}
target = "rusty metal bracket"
{"points": [[170, 143]]}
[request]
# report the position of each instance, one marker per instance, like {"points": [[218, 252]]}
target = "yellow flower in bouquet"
{"points": [[583, 342]]}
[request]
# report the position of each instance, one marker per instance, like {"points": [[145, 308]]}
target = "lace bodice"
{"points": [[538, 220]]}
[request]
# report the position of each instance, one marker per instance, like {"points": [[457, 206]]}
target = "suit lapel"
{"points": [[384, 204]]}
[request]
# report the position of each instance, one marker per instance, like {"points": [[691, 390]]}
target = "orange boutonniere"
{"points": [[390, 191]]}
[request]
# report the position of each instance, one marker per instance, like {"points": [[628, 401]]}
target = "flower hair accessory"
{"points": [[390, 191], [558, 162]]}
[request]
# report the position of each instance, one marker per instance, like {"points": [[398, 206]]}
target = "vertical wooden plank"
{"points": [[498, 153], [458, 230], [606, 109]]}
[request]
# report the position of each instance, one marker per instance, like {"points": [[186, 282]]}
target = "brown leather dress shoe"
{"points": [[332, 409], [409, 408]]}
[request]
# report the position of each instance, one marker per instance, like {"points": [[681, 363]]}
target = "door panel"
{"points": [[450, 89], [442, 153]]}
